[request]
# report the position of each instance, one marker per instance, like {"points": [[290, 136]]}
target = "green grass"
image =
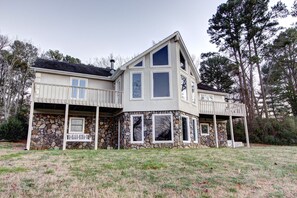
{"points": [[204, 172]]}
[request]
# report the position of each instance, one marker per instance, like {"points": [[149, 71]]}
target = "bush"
{"points": [[269, 131], [13, 129]]}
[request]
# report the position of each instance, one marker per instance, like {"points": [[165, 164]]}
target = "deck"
{"points": [[221, 108], [61, 94]]}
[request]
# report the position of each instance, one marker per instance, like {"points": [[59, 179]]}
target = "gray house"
{"points": [[154, 100]]}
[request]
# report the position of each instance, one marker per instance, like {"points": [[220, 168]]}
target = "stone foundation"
{"points": [[48, 132], [210, 140], [148, 130]]}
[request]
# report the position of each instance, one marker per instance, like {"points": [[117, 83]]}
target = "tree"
{"points": [[105, 61], [215, 71], [58, 56], [282, 67]]}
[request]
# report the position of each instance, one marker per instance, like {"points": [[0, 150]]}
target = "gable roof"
{"points": [[178, 38], [69, 67]]}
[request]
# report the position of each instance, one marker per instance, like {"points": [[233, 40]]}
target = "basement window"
{"points": [[137, 135], [204, 128], [162, 128], [194, 123], [185, 129], [77, 125]]}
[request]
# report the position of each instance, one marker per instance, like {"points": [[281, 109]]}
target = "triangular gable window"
{"points": [[140, 64], [182, 61], [160, 57]]}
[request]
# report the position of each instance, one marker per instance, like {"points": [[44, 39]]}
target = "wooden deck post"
{"points": [[246, 132], [231, 130], [119, 134], [30, 118], [65, 126], [96, 127], [216, 130]]}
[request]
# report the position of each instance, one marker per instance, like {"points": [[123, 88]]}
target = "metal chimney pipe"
{"points": [[112, 64]]}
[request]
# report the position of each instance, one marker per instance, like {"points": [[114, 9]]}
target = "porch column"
{"points": [[96, 127], [216, 130], [246, 132], [30, 118], [65, 125], [231, 130], [119, 134]]}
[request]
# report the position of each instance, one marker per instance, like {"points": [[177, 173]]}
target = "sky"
{"points": [[87, 29]]}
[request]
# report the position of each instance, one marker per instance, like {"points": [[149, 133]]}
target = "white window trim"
{"points": [[80, 132], [204, 134], [195, 93], [131, 85], [195, 130], [187, 94], [139, 67], [152, 85], [186, 62], [169, 56], [153, 123], [86, 88], [142, 129], [188, 125]]}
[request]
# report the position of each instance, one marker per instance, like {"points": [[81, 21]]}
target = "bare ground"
{"points": [[206, 172]]}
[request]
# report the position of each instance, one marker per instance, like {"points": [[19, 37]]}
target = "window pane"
{"points": [[185, 128], [75, 128], [163, 128], [193, 92], [194, 130], [137, 128], [184, 88], [76, 121], [138, 64], [82, 83], [74, 82], [161, 57], [204, 129], [136, 86], [182, 61], [161, 84]]}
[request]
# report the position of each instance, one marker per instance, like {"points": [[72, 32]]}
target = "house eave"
{"points": [[212, 92], [66, 73]]}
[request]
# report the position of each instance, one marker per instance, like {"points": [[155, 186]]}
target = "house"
{"points": [[154, 100]]}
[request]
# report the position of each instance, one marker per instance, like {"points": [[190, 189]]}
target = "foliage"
{"points": [[12, 129], [58, 56], [216, 71], [270, 131]]}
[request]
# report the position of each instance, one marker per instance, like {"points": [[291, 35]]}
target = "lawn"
{"points": [[204, 172]]}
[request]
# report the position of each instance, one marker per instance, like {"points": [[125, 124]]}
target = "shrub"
{"points": [[12, 129]]}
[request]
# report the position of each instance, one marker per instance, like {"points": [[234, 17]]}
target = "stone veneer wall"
{"points": [[148, 130], [48, 132], [210, 140]]}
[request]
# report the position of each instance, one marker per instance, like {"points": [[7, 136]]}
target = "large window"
{"points": [[161, 86], [208, 97], [136, 85], [160, 57], [194, 123], [182, 61], [162, 128], [137, 135], [185, 129], [193, 92], [78, 90], [77, 125], [204, 127], [184, 93]]}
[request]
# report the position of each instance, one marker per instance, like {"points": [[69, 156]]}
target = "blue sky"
{"points": [[97, 28]]}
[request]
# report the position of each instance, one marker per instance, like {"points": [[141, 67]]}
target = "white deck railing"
{"points": [[49, 93], [221, 108], [78, 137]]}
